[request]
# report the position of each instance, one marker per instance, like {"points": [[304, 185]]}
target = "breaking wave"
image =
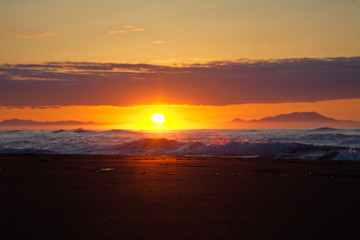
{"points": [[165, 146], [288, 144]]}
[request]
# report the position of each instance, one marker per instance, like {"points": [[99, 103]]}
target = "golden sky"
{"points": [[201, 62], [163, 31]]}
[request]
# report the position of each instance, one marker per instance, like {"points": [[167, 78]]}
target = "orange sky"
{"points": [[202, 63], [181, 116]]}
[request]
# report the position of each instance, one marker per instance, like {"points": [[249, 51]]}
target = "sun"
{"points": [[158, 118]]}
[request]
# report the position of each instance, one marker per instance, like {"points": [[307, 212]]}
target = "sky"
{"points": [[202, 62]]}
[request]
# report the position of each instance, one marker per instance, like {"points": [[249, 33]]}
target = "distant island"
{"points": [[295, 120], [20, 123]]}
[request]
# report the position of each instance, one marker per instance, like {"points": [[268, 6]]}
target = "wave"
{"points": [[331, 136], [338, 139], [350, 154], [310, 146], [81, 130], [165, 146], [58, 131], [123, 131]]}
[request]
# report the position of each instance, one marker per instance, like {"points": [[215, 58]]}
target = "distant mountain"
{"points": [[19, 122], [238, 120], [297, 120], [298, 117]]}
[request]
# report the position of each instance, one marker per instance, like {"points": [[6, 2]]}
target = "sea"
{"points": [[317, 144]]}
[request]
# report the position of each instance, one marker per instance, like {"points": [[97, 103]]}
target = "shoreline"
{"points": [[177, 197]]}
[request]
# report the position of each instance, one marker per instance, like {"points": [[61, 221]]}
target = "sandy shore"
{"points": [[175, 197]]}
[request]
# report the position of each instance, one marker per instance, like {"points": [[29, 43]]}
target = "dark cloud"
{"points": [[214, 83]]}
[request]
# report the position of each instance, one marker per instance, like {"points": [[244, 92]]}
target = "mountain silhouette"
{"points": [[296, 120], [297, 116], [21, 122]]}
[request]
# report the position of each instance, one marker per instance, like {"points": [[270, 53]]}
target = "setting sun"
{"points": [[158, 118]]}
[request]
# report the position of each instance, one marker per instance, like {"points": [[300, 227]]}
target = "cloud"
{"points": [[126, 29], [158, 42], [129, 26], [213, 83], [7, 33], [165, 61], [116, 31], [26, 34], [187, 61], [35, 34]]}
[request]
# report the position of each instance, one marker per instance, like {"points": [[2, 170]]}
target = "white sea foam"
{"points": [[350, 154]]}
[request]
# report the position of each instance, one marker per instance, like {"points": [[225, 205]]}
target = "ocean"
{"points": [[322, 143]]}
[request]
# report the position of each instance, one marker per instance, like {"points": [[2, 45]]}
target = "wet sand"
{"points": [[176, 197]]}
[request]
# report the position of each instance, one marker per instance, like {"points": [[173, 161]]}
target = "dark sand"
{"points": [[174, 197]]}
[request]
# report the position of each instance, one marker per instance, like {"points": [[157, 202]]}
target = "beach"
{"points": [[177, 197]]}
